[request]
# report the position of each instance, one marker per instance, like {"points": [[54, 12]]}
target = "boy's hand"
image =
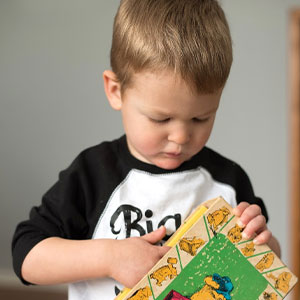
{"points": [[134, 257], [253, 222]]}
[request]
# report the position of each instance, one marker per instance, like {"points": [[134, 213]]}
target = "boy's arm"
{"points": [[56, 260]]}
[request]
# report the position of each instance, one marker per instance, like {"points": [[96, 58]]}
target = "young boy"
{"points": [[98, 227]]}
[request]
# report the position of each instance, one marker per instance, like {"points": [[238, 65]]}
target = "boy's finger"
{"points": [[240, 208], [163, 250], [263, 238], [155, 236], [249, 214], [256, 225]]}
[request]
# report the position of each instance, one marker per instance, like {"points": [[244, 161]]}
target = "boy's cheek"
{"points": [[148, 138], [145, 143], [149, 145]]}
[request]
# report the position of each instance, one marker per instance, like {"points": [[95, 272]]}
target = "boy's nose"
{"points": [[180, 136]]}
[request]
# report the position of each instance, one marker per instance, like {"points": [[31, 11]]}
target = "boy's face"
{"points": [[165, 123]]}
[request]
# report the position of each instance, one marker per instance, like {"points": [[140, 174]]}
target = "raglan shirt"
{"points": [[108, 193]]}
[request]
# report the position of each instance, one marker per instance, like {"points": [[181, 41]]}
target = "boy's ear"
{"points": [[112, 89]]}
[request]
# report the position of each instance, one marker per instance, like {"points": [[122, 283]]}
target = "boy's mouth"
{"points": [[173, 154]]}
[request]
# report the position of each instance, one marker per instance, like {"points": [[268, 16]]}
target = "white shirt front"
{"points": [[141, 203]]}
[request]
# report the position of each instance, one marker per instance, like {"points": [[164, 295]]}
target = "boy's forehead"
{"points": [[165, 93]]}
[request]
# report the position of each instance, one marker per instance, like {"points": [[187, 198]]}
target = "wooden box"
{"points": [[210, 260]]}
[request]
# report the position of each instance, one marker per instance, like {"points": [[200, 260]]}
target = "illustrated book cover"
{"points": [[210, 260]]}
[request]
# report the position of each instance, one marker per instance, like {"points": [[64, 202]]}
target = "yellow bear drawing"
{"points": [[166, 271], [235, 234], [282, 282], [142, 294], [191, 245], [249, 249], [271, 296], [218, 217], [266, 262]]}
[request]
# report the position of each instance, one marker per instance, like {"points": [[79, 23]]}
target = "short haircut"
{"points": [[188, 37]]}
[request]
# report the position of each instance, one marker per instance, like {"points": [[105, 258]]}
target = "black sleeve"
{"points": [[61, 214], [244, 191], [227, 171]]}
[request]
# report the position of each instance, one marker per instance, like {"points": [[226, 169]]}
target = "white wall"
{"points": [[252, 125], [52, 104]]}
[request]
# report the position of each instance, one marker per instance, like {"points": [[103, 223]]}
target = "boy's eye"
{"points": [[160, 120], [198, 120]]}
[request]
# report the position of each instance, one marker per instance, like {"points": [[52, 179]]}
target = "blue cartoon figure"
{"points": [[216, 288]]}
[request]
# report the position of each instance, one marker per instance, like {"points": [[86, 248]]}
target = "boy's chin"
{"points": [[168, 164]]}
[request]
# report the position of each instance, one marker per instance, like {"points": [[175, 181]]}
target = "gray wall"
{"points": [[52, 104]]}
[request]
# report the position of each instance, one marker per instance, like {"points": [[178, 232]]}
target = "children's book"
{"points": [[210, 260]]}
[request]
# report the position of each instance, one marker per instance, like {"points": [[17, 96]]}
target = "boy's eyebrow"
{"points": [[160, 113], [153, 110], [212, 111]]}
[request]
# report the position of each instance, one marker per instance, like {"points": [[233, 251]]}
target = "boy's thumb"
{"points": [[155, 236]]}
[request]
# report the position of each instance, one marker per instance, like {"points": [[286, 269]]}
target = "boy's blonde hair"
{"points": [[189, 37]]}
